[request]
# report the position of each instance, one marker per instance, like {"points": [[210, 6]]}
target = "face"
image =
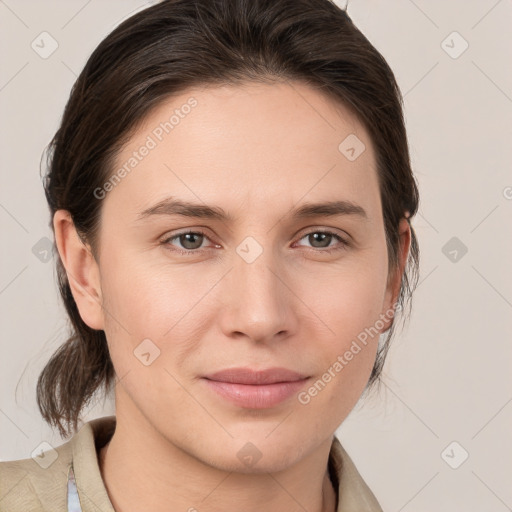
{"points": [[251, 277]]}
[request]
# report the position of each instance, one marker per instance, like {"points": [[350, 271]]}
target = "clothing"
{"points": [[25, 486]]}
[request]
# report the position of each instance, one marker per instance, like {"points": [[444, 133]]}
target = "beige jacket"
{"points": [[26, 486]]}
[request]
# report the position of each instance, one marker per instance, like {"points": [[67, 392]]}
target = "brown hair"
{"points": [[177, 44]]}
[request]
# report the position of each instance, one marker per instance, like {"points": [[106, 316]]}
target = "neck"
{"points": [[143, 471]]}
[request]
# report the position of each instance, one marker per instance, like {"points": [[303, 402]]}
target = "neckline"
{"points": [[104, 430]]}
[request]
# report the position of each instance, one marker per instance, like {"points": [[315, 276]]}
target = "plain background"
{"points": [[447, 378]]}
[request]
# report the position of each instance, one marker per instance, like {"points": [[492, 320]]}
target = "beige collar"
{"points": [[353, 493]]}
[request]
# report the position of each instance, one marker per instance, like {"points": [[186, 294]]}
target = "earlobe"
{"points": [[81, 269]]}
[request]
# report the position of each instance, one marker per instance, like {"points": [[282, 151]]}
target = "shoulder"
{"points": [[28, 484], [40, 483]]}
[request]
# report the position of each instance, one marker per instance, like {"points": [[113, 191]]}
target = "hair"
{"points": [[179, 44]]}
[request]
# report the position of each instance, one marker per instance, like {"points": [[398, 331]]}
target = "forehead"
{"points": [[260, 145]]}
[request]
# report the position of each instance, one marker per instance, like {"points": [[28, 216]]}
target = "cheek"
{"points": [[144, 302], [175, 305], [140, 312], [347, 299], [146, 298], [345, 357], [349, 303]]}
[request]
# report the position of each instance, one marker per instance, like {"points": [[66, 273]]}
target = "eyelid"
{"points": [[344, 240], [165, 239], [323, 229]]}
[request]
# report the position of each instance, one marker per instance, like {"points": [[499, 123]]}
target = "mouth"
{"points": [[255, 389]]}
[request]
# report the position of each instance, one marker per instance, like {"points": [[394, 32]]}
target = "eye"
{"points": [[320, 239], [190, 241]]}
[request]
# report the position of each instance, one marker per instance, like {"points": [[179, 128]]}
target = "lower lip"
{"points": [[256, 396]]}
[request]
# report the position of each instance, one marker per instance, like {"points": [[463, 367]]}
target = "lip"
{"points": [[255, 389], [250, 376]]}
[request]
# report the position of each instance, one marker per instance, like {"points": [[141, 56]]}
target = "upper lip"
{"points": [[250, 376]]}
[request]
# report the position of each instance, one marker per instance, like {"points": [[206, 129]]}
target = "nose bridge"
{"points": [[259, 302], [255, 275]]}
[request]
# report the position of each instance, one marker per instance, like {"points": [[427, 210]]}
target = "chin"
{"points": [[273, 463], [255, 455]]}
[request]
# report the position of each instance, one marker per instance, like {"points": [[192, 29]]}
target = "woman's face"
{"points": [[258, 286]]}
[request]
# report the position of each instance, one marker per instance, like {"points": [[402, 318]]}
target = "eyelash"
{"points": [[192, 252]]}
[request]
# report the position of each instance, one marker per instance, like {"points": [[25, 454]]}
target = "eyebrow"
{"points": [[172, 206]]}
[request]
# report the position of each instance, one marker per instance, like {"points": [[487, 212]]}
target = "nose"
{"points": [[259, 303]]}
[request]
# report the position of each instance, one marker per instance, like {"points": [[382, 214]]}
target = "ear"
{"points": [[81, 269], [395, 277]]}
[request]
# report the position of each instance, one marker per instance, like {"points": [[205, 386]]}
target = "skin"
{"points": [[258, 151]]}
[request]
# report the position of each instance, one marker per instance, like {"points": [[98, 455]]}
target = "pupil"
{"points": [[187, 241], [322, 237]]}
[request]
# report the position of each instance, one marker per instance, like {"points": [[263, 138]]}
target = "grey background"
{"points": [[448, 375]]}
